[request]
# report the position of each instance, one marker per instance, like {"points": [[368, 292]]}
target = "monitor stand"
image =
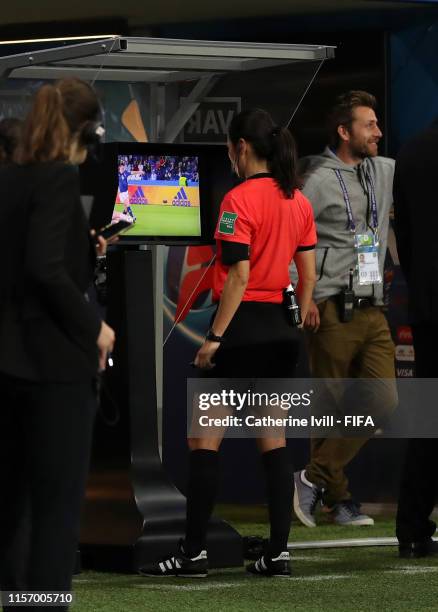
{"points": [[154, 509]]}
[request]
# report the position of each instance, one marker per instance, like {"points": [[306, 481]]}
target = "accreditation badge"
{"points": [[367, 250]]}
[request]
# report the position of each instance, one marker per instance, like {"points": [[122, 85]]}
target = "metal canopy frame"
{"points": [[135, 59], [158, 62]]}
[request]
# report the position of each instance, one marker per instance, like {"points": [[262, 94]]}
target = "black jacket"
{"points": [[416, 222], [48, 329]]}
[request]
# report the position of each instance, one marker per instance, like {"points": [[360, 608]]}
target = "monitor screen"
{"points": [[160, 194], [172, 192]]}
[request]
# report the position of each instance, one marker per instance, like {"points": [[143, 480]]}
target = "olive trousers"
{"points": [[362, 349]]}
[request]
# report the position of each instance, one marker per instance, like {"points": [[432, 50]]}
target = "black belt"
{"points": [[359, 302]]}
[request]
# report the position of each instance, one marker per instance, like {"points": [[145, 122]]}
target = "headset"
{"points": [[92, 132]]}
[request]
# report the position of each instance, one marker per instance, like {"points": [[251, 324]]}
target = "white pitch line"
{"points": [[188, 587], [412, 569], [313, 558], [228, 585], [321, 577]]}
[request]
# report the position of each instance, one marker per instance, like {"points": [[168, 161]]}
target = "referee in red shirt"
{"points": [[264, 223]]}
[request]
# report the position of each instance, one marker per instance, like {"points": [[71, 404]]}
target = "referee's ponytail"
{"points": [[272, 143]]}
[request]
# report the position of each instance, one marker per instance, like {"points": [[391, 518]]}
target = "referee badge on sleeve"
{"points": [[227, 223]]}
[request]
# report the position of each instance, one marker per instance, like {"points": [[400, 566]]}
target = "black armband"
{"points": [[232, 252]]}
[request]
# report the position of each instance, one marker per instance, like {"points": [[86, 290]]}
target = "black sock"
{"points": [[279, 477], [201, 495]]}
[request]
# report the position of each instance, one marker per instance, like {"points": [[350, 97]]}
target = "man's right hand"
{"points": [[312, 320], [105, 344]]}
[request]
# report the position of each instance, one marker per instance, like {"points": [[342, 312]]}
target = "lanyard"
{"points": [[373, 200]]}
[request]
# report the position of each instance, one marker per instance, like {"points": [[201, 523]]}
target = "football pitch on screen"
{"points": [[158, 220]]}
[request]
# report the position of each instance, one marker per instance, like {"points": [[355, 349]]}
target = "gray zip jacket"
{"points": [[335, 253]]}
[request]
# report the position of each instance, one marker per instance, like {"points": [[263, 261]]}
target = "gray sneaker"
{"points": [[347, 513], [305, 499]]}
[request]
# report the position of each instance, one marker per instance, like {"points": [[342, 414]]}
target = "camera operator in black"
{"points": [[52, 341], [264, 223]]}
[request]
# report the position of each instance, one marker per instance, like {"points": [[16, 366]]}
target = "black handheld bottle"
{"points": [[292, 307]]}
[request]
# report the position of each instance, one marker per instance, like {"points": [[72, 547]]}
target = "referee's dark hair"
{"points": [[273, 143]]}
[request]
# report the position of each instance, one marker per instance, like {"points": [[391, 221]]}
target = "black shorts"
{"points": [[260, 343]]}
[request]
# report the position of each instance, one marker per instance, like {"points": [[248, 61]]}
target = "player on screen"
{"points": [[123, 191]]}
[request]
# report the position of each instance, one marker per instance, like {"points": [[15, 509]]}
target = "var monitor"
{"points": [[161, 193]]}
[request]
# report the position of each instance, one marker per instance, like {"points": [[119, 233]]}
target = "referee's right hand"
{"points": [[205, 355]]}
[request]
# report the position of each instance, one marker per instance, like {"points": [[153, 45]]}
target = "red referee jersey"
{"points": [[256, 213]]}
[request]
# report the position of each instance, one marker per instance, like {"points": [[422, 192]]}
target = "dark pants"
{"points": [[419, 483], [45, 440]]}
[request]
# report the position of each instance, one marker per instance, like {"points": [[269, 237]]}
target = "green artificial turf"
{"points": [[157, 220], [324, 580], [253, 520], [339, 580]]}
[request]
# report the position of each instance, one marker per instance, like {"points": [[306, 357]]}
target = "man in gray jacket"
{"points": [[350, 188]]}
